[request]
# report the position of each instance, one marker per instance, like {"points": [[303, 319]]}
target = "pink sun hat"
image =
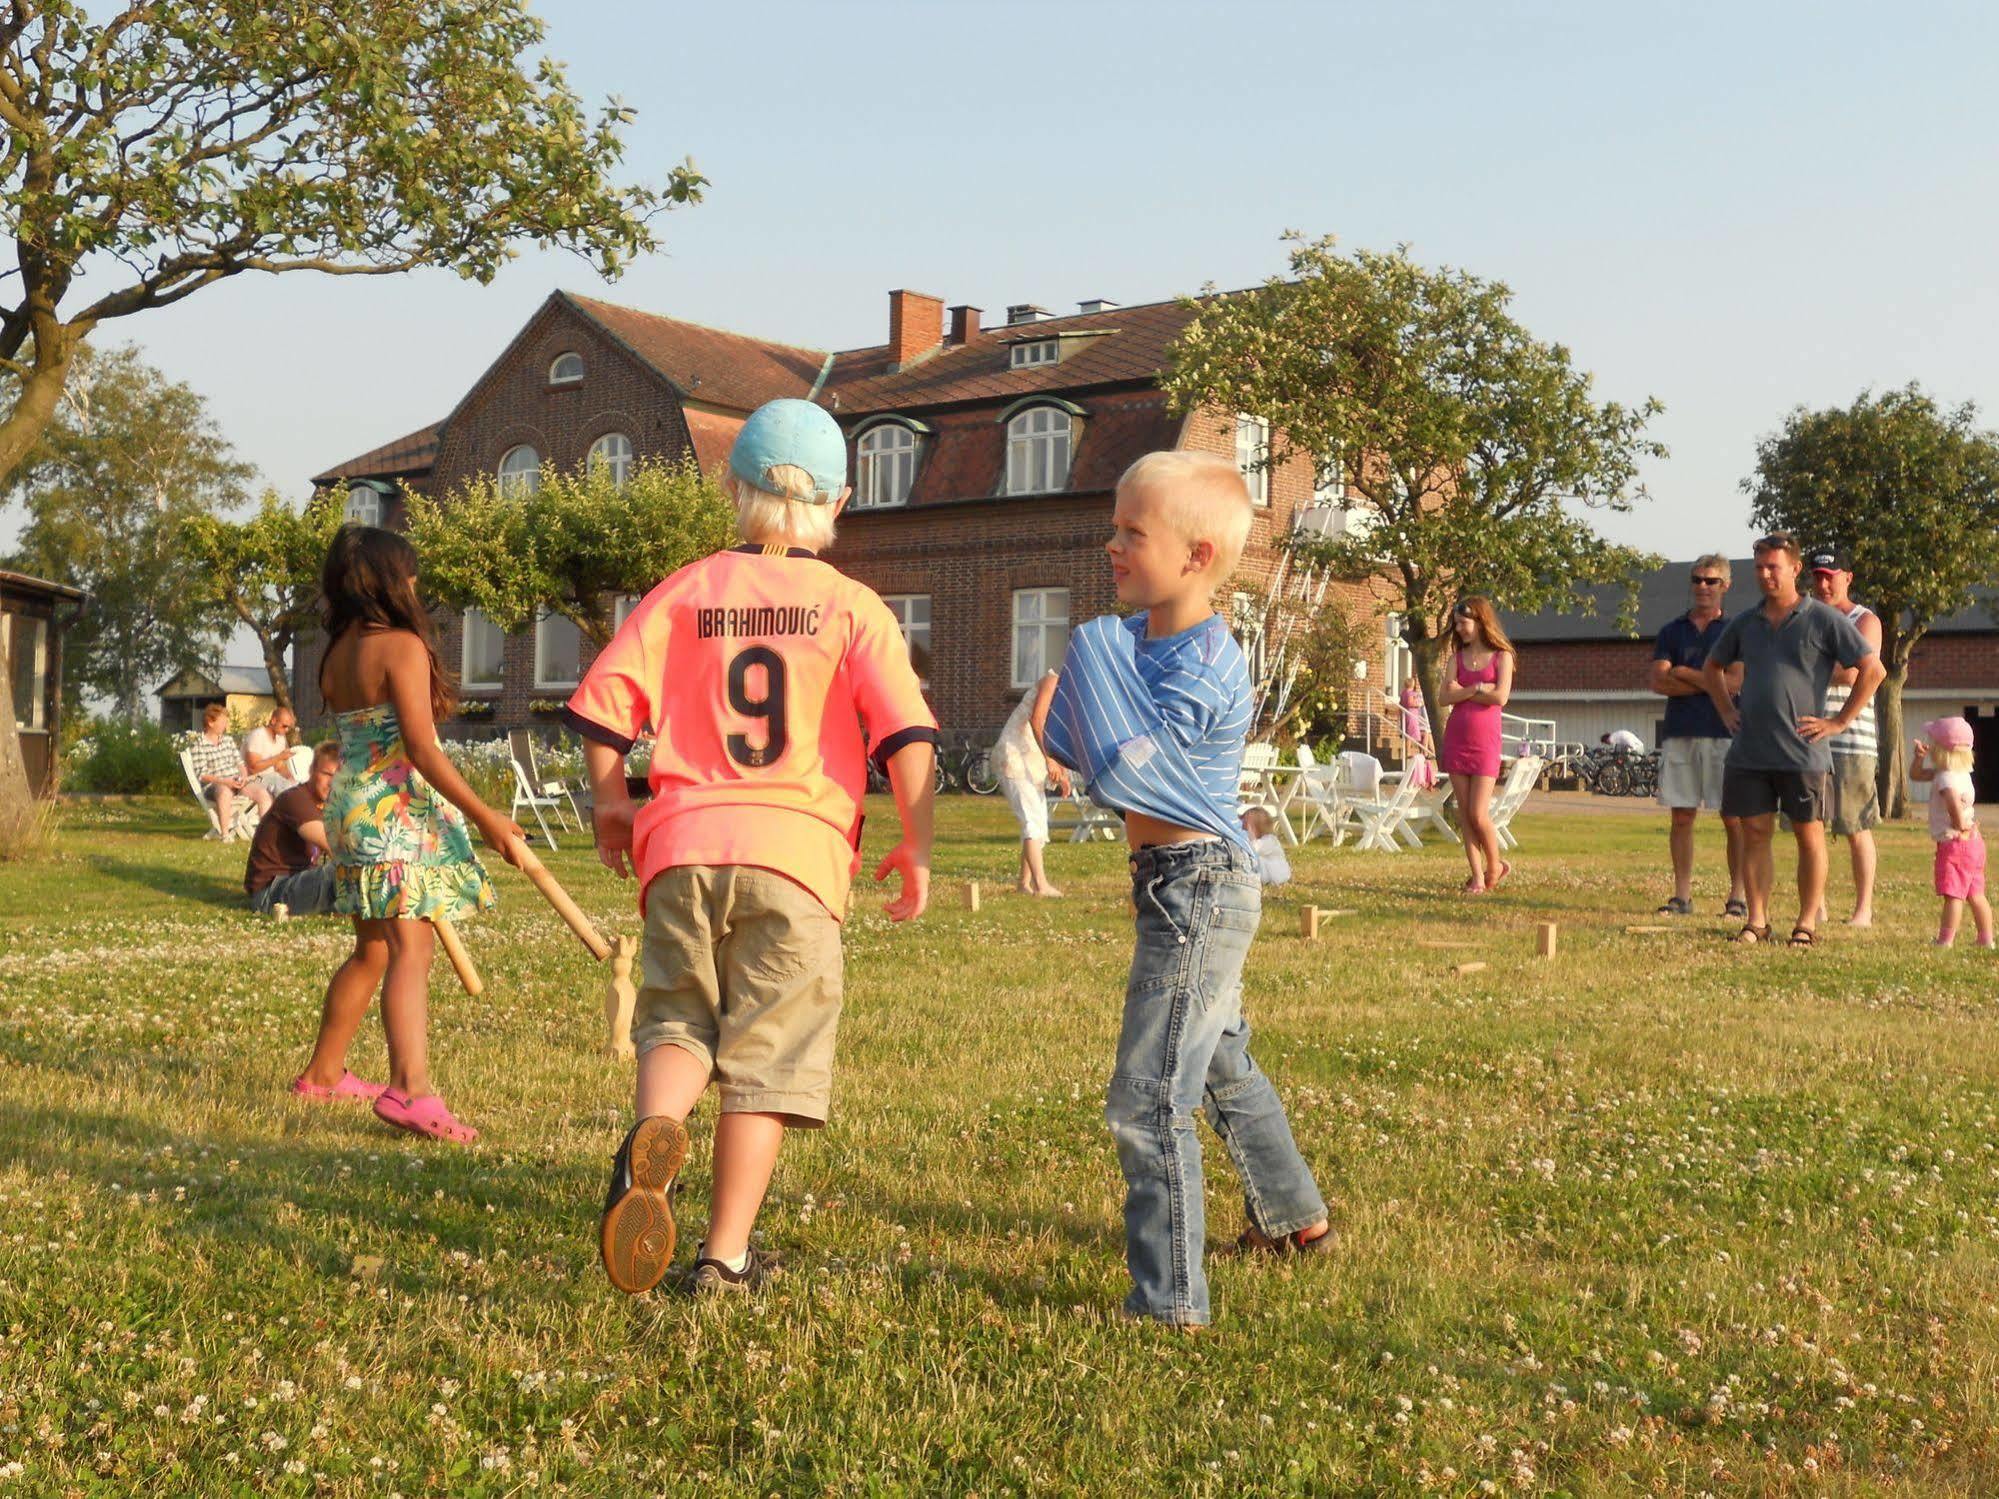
{"points": [[1948, 733]]}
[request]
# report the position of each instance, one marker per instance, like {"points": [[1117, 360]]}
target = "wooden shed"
{"points": [[35, 612]]}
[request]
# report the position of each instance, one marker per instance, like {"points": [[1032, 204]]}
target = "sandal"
{"points": [[1253, 1240], [1674, 906], [349, 1086], [1736, 908], [423, 1116], [1803, 936], [1751, 936]]}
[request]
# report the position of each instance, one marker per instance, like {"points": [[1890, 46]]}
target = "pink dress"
{"points": [[1471, 733]]}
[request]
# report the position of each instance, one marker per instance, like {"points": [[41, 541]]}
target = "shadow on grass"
{"points": [[182, 884]]}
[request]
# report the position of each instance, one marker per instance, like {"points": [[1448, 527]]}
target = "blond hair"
{"points": [[1957, 757], [214, 712], [787, 517], [1202, 497], [1719, 563]]}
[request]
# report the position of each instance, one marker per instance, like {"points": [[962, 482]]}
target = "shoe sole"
{"points": [[637, 1235]]}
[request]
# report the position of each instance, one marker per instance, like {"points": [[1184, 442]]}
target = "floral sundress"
{"points": [[399, 849]]}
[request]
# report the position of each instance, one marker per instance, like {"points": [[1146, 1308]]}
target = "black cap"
{"points": [[1829, 560]]}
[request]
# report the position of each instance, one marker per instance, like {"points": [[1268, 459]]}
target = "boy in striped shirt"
{"points": [[1153, 709]]}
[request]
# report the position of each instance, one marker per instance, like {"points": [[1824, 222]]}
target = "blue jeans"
{"points": [[306, 892], [1184, 1045]]}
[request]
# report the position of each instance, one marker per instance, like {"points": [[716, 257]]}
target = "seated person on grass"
{"points": [[286, 867]]}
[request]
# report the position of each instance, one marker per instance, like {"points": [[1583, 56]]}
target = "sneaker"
{"points": [[712, 1277], [636, 1236]]}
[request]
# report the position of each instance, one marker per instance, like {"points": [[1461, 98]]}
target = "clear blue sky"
{"points": [[1734, 207]]}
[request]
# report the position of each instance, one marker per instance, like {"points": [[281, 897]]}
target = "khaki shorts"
{"points": [[741, 967], [1856, 803], [1690, 772]]}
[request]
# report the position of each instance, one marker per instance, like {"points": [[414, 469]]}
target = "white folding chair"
{"points": [[1382, 820], [245, 817], [529, 791], [1083, 818], [1320, 788], [1429, 812], [1253, 781], [1512, 796]]}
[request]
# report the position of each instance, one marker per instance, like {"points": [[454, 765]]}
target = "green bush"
{"points": [[127, 758]]}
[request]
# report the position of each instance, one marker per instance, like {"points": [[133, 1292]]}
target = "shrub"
{"points": [[118, 757]]}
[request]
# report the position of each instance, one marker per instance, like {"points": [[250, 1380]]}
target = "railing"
{"points": [[1526, 736]]}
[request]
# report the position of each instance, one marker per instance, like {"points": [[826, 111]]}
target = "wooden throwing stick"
{"points": [[552, 892], [461, 960]]}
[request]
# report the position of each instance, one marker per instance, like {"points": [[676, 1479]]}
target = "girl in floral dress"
{"points": [[401, 852]]}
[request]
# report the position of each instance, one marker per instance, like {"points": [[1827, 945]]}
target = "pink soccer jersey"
{"points": [[755, 668]]}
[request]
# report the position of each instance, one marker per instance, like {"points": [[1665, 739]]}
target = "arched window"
{"points": [[614, 451], [887, 466], [1037, 451], [520, 472], [364, 505], [567, 369]]}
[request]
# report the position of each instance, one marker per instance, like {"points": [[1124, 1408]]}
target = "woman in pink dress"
{"points": [[1479, 683]]}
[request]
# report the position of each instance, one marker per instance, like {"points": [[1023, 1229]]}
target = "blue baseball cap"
{"points": [[794, 432]]}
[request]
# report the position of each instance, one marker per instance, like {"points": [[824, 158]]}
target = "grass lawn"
{"points": [[1657, 1216]]}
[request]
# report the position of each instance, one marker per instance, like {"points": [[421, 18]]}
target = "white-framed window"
{"points": [[28, 645], [558, 653], [614, 451], [886, 466], [1040, 632], [622, 610], [1037, 451], [912, 616], [364, 505], [1329, 481], [1252, 456], [520, 472], [1041, 351], [483, 660], [566, 370]]}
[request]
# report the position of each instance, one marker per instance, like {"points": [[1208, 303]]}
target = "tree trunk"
{"points": [[274, 663], [1427, 650], [35, 402], [17, 802], [1891, 773]]}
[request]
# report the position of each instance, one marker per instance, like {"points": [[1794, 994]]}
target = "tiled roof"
{"points": [[706, 364], [1135, 348], [712, 434], [411, 454]]}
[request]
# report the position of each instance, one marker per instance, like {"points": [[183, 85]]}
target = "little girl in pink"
{"points": [[1943, 758]]}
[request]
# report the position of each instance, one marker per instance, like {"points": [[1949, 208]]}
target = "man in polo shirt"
{"points": [[285, 867], [1789, 646], [1695, 743], [1856, 804]]}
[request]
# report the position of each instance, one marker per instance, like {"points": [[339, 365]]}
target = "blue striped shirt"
{"points": [[1155, 726]]}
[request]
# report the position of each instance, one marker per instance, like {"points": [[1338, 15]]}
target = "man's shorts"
{"points": [[1856, 803], [304, 892], [1960, 867], [1801, 795], [1690, 772], [741, 967], [1030, 806]]}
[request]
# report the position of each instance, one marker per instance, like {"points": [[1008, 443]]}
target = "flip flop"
{"points": [[349, 1086], [422, 1116]]}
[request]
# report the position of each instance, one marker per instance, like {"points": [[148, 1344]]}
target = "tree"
{"points": [[1911, 491], [264, 572], [153, 150], [573, 547], [1468, 446], [130, 458]]}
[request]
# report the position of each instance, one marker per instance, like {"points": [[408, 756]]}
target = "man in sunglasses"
{"points": [[1695, 743]]}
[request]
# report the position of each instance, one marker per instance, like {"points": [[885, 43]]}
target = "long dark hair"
{"points": [[369, 582]]}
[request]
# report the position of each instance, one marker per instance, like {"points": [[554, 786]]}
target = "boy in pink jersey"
{"points": [[755, 666]]}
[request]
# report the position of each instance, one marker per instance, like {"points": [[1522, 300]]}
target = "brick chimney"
{"points": [[964, 323], [915, 326]]}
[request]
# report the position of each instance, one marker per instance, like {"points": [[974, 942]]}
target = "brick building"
{"points": [[1580, 671], [983, 462]]}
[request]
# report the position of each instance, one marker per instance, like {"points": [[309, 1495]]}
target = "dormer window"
{"points": [[567, 370], [1040, 351], [364, 505], [885, 467], [1038, 447]]}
